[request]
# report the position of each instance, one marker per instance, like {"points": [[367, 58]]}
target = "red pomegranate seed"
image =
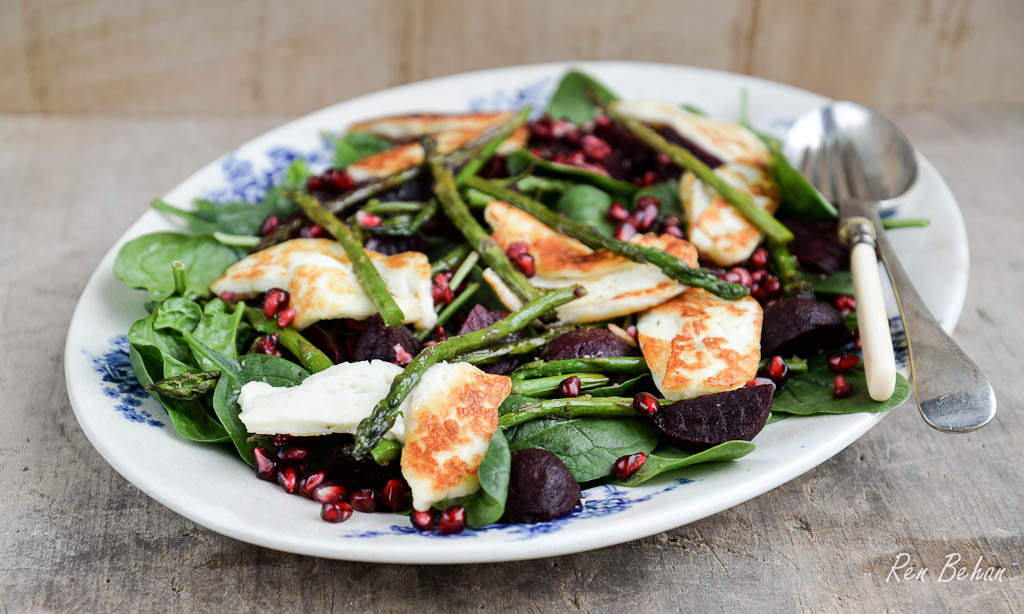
{"points": [[625, 231], [759, 259], [526, 265], [276, 299], [269, 225], [402, 356], [364, 500], [841, 388], [649, 215], [336, 512], [772, 286], [423, 521], [440, 289], [311, 231], [293, 455], [644, 201], [561, 129], [757, 291], [649, 178], [645, 403], [577, 158], [314, 184], [760, 381], [841, 363], [627, 465], [342, 181], [674, 231], [739, 275], [329, 493], [663, 159], [757, 277], [229, 297], [263, 464], [595, 148], [617, 213], [631, 331], [311, 482], [516, 249], [285, 317], [288, 479], [452, 520], [602, 121], [280, 440], [570, 387], [776, 370], [267, 344], [845, 303], [368, 220], [393, 495]]}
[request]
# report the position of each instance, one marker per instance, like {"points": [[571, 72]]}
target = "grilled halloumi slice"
{"points": [[450, 417], [727, 141], [615, 285], [319, 278], [718, 231], [334, 400], [698, 343]]}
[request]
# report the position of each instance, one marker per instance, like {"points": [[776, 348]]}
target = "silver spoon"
{"points": [[861, 159]]}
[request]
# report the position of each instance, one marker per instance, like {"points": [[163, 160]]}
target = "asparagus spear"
{"points": [[764, 221], [368, 276], [789, 271], [403, 225], [450, 309], [311, 358], [669, 264], [450, 260], [541, 386], [373, 428], [459, 214], [603, 364], [512, 348], [579, 407], [476, 163], [186, 386]]}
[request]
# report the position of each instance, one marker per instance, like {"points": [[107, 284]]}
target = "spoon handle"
{"points": [[954, 396]]}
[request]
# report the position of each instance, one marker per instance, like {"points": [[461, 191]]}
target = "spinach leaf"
{"points": [[667, 458], [219, 329], [667, 192], [574, 98], [589, 447], [774, 417], [145, 263], [588, 205], [190, 418], [840, 282], [522, 159], [811, 392], [800, 199], [488, 504], [163, 349], [617, 390], [355, 146], [177, 313], [236, 373]]}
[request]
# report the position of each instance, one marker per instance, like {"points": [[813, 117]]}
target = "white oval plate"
{"points": [[209, 485]]}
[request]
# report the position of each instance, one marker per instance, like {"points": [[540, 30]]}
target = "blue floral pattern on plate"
{"points": [[120, 384]]}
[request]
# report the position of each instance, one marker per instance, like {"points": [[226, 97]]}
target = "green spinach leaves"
{"points": [[574, 99], [811, 393], [145, 263], [668, 458]]}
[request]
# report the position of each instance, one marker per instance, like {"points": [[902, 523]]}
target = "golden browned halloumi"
{"points": [[405, 127], [615, 285], [718, 231], [450, 417], [727, 141], [698, 343], [322, 285]]}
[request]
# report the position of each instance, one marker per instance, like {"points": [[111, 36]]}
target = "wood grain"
{"points": [[75, 536], [272, 56]]}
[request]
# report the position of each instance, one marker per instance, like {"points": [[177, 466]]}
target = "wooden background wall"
{"points": [[185, 56]]}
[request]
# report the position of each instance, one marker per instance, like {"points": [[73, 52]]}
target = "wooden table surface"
{"points": [[74, 535]]}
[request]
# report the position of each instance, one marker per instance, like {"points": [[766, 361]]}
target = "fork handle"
{"points": [[872, 320]]}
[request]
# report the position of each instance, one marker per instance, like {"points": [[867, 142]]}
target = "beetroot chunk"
{"points": [[540, 487], [481, 317], [698, 424], [586, 343], [816, 245], [378, 341], [801, 326]]}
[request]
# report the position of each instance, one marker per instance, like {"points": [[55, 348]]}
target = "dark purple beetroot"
{"points": [[816, 245], [389, 246], [698, 424], [585, 343], [355, 473], [481, 317], [540, 487], [801, 326], [378, 341], [326, 342]]}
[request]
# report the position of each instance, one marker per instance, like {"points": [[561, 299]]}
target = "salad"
{"points": [[470, 318]]}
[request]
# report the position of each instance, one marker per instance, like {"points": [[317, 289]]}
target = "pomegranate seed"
{"points": [[561, 129], [627, 465], [267, 344], [293, 455], [402, 356], [645, 403], [663, 159], [757, 291], [280, 440], [276, 300], [364, 500], [269, 225], [739, 275], [541, 128], [625, 231], [674, 231], [393, 495], [368, 220], [617, 213], [602, 121], [263, 464], [526, 265], [577, 158], [595, 148], [758, 276], [845, 303], [329, 493], [570, 387], [631, 331], [649, 215], [285, 317], [772, 286], [645, 201], [649, 178], [336, 512], [342, 181], [288, 479], [759, 259], [777, 370], [424, 521], [452, 520], [311, 482], [841, 363], [229, 297], [516, 249], [841, 388], [311, 231], [759, 381], [314, 184], [440, 289]]}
